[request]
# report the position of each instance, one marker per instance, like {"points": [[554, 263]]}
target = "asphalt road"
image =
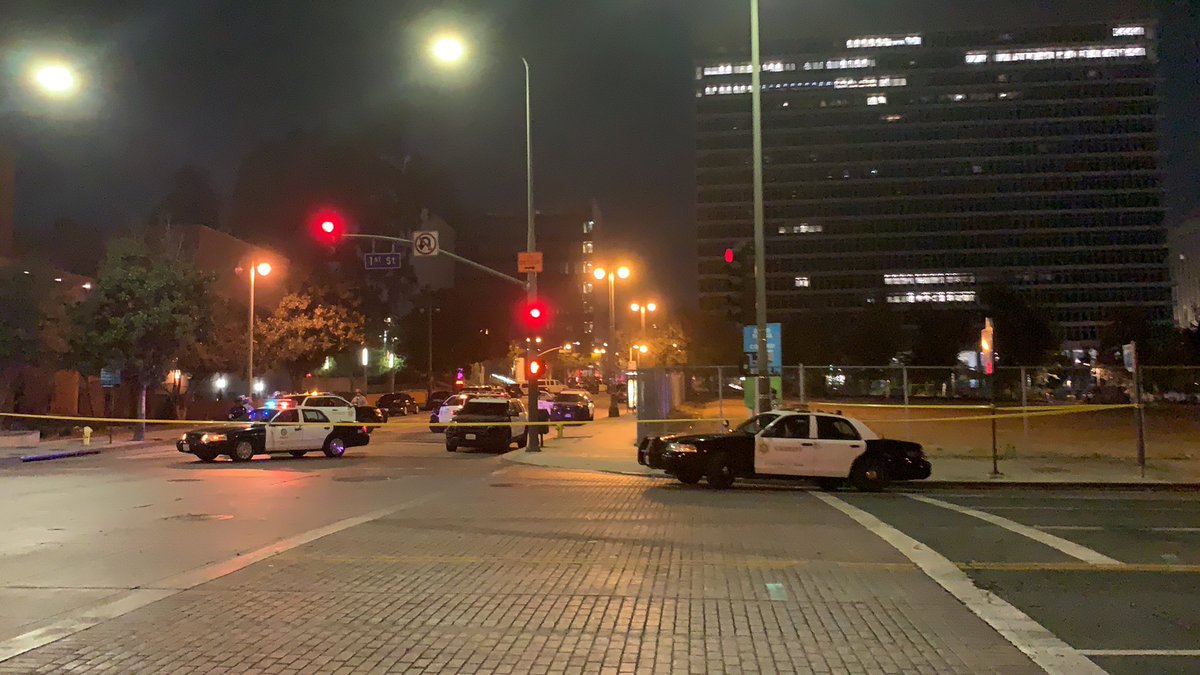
{"points": [[772, 577]]}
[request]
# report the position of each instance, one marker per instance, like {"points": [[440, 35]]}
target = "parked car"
{"points": [[292, 429], [832, 449], [370, 415], [508, 411], [573, 404], [398, 403]]}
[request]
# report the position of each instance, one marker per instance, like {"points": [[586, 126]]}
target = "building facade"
{"points": [[914, 169], [568, 242]]}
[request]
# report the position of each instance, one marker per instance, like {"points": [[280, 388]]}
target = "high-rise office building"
{"points": [[912, 169]]}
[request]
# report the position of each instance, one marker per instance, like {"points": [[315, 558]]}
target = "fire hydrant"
{"points": [[87, 435]]}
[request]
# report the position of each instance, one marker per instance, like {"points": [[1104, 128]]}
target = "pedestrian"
{"points": [[358, 399]]}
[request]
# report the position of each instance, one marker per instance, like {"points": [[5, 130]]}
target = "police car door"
{"points": [[516, 413], [838, 445], [782, 448], [284, 431], [316, 429]]}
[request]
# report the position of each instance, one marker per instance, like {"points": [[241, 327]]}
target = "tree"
{"points": [[1023, 334], [32, 327], [144, 310], [192, 200], [940, 334], [305, 327]]}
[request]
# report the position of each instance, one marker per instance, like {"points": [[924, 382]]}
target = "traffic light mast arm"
{"points": [[448, 254]]}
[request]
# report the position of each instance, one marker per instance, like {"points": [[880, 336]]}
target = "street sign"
{"points": [[425, 243], [110, 378], [774, 347], [382, 261], [529, 261], [1129, 356]]}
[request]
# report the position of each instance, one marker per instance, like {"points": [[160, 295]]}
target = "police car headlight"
{"points": [[681, 447], [212, 438], [183, 436]]}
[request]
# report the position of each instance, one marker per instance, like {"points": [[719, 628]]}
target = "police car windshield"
{"points": [[756, 424]]}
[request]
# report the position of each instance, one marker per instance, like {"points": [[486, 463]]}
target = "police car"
{"points": [[285, 428], [831, 448], [336, 408]]}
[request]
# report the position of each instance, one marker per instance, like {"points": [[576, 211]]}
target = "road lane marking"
{"points": [[1070, 528], [1096, 528], [1042, 647], [1130, 568], [82, 618], [1058, 543], [1140, 652]]}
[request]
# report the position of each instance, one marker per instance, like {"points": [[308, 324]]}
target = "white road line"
{"points": [[85, 617], [1172, 529], [1070, 528], [1070, 548], [1043, 647], [1140, 652]]}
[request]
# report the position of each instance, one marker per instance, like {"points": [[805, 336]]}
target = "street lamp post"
{"points": [[763, 387], [451, 49], [600, 273], [256, 269], [642, 309]]}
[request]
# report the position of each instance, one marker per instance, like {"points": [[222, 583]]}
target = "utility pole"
{"points": [[763, 387], [533, 440]]}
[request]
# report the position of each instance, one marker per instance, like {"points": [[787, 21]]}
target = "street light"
{"points": [[600, 273], [55, 79], [642, 309], [450, 49], [256, 270]]}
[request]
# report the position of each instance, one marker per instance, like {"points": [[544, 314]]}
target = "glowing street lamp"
{"points": [[448, 48], [55, 79], [256, 270], [642, 309]]}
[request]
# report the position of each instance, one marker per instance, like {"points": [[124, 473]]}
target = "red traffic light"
{"points": [[328, 225], [729, 255], [534, 370], [534, 316]]}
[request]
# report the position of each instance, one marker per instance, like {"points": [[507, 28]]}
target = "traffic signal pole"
{"points": [[533, 440], [763, 387]]}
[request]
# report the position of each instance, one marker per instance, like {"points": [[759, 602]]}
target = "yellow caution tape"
{"points": [[373, 425]]}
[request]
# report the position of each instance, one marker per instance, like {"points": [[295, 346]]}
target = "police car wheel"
{"points": [[720, 471], [689, 475], [242, 452], [869, 475], [205, 455], [334, 447], [451, 446]]}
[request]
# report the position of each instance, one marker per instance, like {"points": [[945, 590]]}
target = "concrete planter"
{"points": [[19, 439]]}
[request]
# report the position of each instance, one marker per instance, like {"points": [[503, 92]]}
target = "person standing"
{"points": [[358, 399]]}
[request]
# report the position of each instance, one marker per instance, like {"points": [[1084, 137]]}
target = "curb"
{"points": [[58, 455]]}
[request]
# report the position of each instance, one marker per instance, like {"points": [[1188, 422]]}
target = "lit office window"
{"points": [[744, 68], [1128, 31], [931, 296], [869, 82], [802, 228], [1057, 54], [801, 282], [928, 278], [884, 41], [588, 226], [977, 57], [839, 64], [587, 287], [587, 247], [877, 99]]}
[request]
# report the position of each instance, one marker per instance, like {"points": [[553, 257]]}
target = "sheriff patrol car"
{"points": [[294, 429], [832, 449]]}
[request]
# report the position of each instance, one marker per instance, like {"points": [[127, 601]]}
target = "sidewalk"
{"points": [[71, 446], [608, 445]]}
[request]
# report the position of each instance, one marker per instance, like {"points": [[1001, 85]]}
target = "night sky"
{"points": [[201, 81]]}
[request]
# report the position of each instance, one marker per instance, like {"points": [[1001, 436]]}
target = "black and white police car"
{"points": [[831, 448], [285, 428]]}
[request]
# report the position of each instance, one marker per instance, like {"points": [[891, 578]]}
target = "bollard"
{"points": [[87, 436], [560, 430]]}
